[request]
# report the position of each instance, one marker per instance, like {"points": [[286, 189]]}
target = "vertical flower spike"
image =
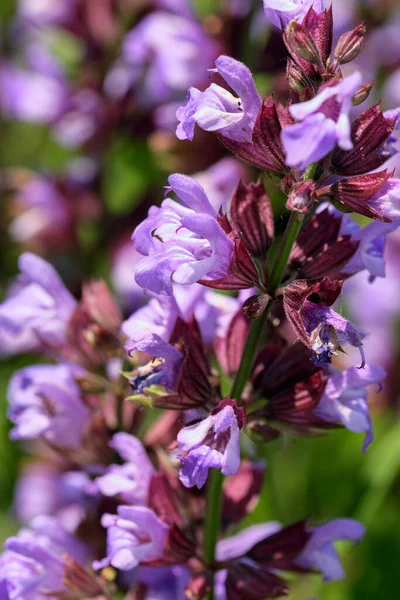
{"points": [[211, 443], [324, 122], [320, 328], [281, 12], [217, 109]]}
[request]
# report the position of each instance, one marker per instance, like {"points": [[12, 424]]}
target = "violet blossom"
{"points": [[328, 331], [181, 242], [33, 564], [136, 535], [320, 552], [44, 400], [132, 479], [38, 303], [214, 442], [216, 109], [161, 57], [345, 399], [281, 12], [323, 122]]}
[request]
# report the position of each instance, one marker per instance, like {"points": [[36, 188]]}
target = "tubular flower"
{"points": [[281, 12], [211, 443], [182, 243], [217, 109], [323, 123]]}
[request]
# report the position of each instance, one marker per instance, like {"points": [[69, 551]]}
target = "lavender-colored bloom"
{"points": [[214, 442], [33, 565], [41, 208], [387, 201], [80, 119], [163, 371], [157, 317], [162, 56], [31, 96], [39, 302], [240, 543], [132, 479], [281, 12], [136, 535], [345, 400], [45, 12], [43, 489], [216, 109], [182, 242], [220, 181], [370, 253], [123, 281], [44, 400], [328, 331], [324, 122], [320, 552], [164, 583]]}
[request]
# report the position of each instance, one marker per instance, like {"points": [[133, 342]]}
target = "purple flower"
{"points": [[217, 109], [45, 12], [181, 242], [327, 332], [214, 442], [41, 209], [345, 400], [164, 583], [43, 489], [123, 260], [33, 565], [387, 200], [240, 543], [324, 122], [44, 400], [281, 12], [39, 302], [158, 317], [370, 253], [162, 56], [136, 535], [162, 371], [220, 181], [132, 479], [31, 96], [80, 119], [320, 552]]}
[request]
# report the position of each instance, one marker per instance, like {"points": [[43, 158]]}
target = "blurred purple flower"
{"points": [[214, 442], [33, 565], [320, 552], [132, 479], [42, 489], [136, 535], [44, 400], [39, 302], [80, 119], [40, 208], [345, 399], [281, 12], [216, 109], [324, 122], [182, 242], [45, 12], [162, 56]]}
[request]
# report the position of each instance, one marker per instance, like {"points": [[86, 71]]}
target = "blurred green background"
{"points": [[323, 478]]}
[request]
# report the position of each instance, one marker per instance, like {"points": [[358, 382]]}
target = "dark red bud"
{"points": [[198, 587], [252, 218], [296, 77], [254, 307], [301, 197], [349, 45], [301, 43]]}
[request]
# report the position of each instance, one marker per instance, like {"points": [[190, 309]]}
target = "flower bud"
{"points": [[255, 306], [349, 45], [300, 43], [301, 197], [363, 93], [296, 78]]}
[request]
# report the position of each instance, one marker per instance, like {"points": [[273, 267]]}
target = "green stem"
{"points": [[215, 478]]}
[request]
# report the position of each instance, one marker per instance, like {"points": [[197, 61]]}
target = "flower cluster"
{"points": [[233, 330]]}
